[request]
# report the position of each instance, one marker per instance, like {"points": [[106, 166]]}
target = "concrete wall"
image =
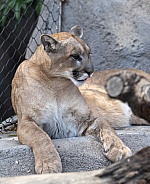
{"points": [[118, 31]]}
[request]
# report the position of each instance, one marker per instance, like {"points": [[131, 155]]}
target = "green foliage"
{"points": [[16, 8]]}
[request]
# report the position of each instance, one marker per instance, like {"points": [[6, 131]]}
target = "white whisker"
{"points": [[54, 71]]}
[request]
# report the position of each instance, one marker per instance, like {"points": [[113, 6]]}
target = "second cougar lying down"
{"points": [[48, 102]]}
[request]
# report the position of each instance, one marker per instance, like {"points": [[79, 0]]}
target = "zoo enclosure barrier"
{"points": [[21, 24]]}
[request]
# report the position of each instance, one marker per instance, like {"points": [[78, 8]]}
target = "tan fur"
{"points": [[94, 92], [49, 104]]}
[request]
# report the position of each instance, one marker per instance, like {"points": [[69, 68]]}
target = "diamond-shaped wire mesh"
{"points": [[21, 24]]}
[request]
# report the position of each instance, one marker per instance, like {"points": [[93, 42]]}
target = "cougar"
{"points": [[50, 104]]}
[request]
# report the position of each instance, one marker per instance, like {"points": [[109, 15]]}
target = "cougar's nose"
{"points": [[89, 70]]}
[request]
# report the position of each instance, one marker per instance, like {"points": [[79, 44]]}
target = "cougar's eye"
{"points": [[76, 57]]}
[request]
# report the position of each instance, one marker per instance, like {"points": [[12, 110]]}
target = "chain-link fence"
{"points": [[21, 24]]}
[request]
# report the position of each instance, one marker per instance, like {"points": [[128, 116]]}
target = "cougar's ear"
{"points": [[49, 43], [77, 30]]}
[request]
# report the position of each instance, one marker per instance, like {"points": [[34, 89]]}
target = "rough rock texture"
{"points": [[116, 30], [125, 171], [18, 159], [77, 154]]}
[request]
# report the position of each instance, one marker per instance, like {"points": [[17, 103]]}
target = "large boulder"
{"points": [[116, 30], [77, 154]]}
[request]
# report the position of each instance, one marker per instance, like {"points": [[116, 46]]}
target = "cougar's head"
{"points": [[69, 55]]}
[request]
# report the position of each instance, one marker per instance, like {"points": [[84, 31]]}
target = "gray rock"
{"points": [[77, 154], [116, 30]]}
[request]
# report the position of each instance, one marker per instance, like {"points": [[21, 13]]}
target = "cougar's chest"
{"points": [[60, 121], [63, 111]]}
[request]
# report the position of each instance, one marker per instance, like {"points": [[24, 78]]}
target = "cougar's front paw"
{"points": [[115, 149], [48, 165]]}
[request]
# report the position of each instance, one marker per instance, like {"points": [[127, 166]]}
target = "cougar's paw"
{"points": [[115, 149], [48, 165]]}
